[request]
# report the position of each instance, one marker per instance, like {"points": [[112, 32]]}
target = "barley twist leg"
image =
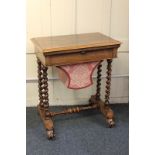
{"points": [[107, 110], [95, 98], [98, 86], [43, 107]]}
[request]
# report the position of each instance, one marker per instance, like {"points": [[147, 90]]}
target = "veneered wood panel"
{"points": [[65, 59], [56, 44], [77, 48]]}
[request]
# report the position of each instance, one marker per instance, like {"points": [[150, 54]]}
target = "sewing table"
{"points": [[74, 49]]}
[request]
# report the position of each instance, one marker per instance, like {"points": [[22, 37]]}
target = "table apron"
{"points": [[79, 57]]}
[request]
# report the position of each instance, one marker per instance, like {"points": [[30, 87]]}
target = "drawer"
{"points": [[79, 57]]}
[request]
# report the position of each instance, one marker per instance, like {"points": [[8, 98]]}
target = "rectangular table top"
{"points": [[54, 44]]}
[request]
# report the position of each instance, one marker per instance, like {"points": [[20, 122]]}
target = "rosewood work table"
{"points": [[74, 49]]}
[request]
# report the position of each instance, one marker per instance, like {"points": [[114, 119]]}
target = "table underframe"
{"points": [[94, 101]]}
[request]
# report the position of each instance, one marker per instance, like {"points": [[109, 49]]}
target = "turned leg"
{"points": [[43, 107], [106, 110], [98, 86], [95, 98], [39, 85], [108, 81]]}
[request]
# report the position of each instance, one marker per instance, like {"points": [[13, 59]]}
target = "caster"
{"points": [[50, 134], [111, 123]]}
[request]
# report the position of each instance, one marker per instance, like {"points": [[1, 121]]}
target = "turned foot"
{"points": [[105, 109], [48, 123], [108, 114]]}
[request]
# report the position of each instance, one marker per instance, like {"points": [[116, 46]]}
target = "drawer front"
{"points": [[80, 57]]}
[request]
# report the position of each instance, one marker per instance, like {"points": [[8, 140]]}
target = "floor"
{"points": [[85, 133]]}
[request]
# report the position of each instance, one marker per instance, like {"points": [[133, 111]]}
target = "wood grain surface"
{"points": [[55, 44]]}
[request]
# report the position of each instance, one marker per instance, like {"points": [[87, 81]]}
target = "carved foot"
{"points": [[108, 113], [48, 123]]}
